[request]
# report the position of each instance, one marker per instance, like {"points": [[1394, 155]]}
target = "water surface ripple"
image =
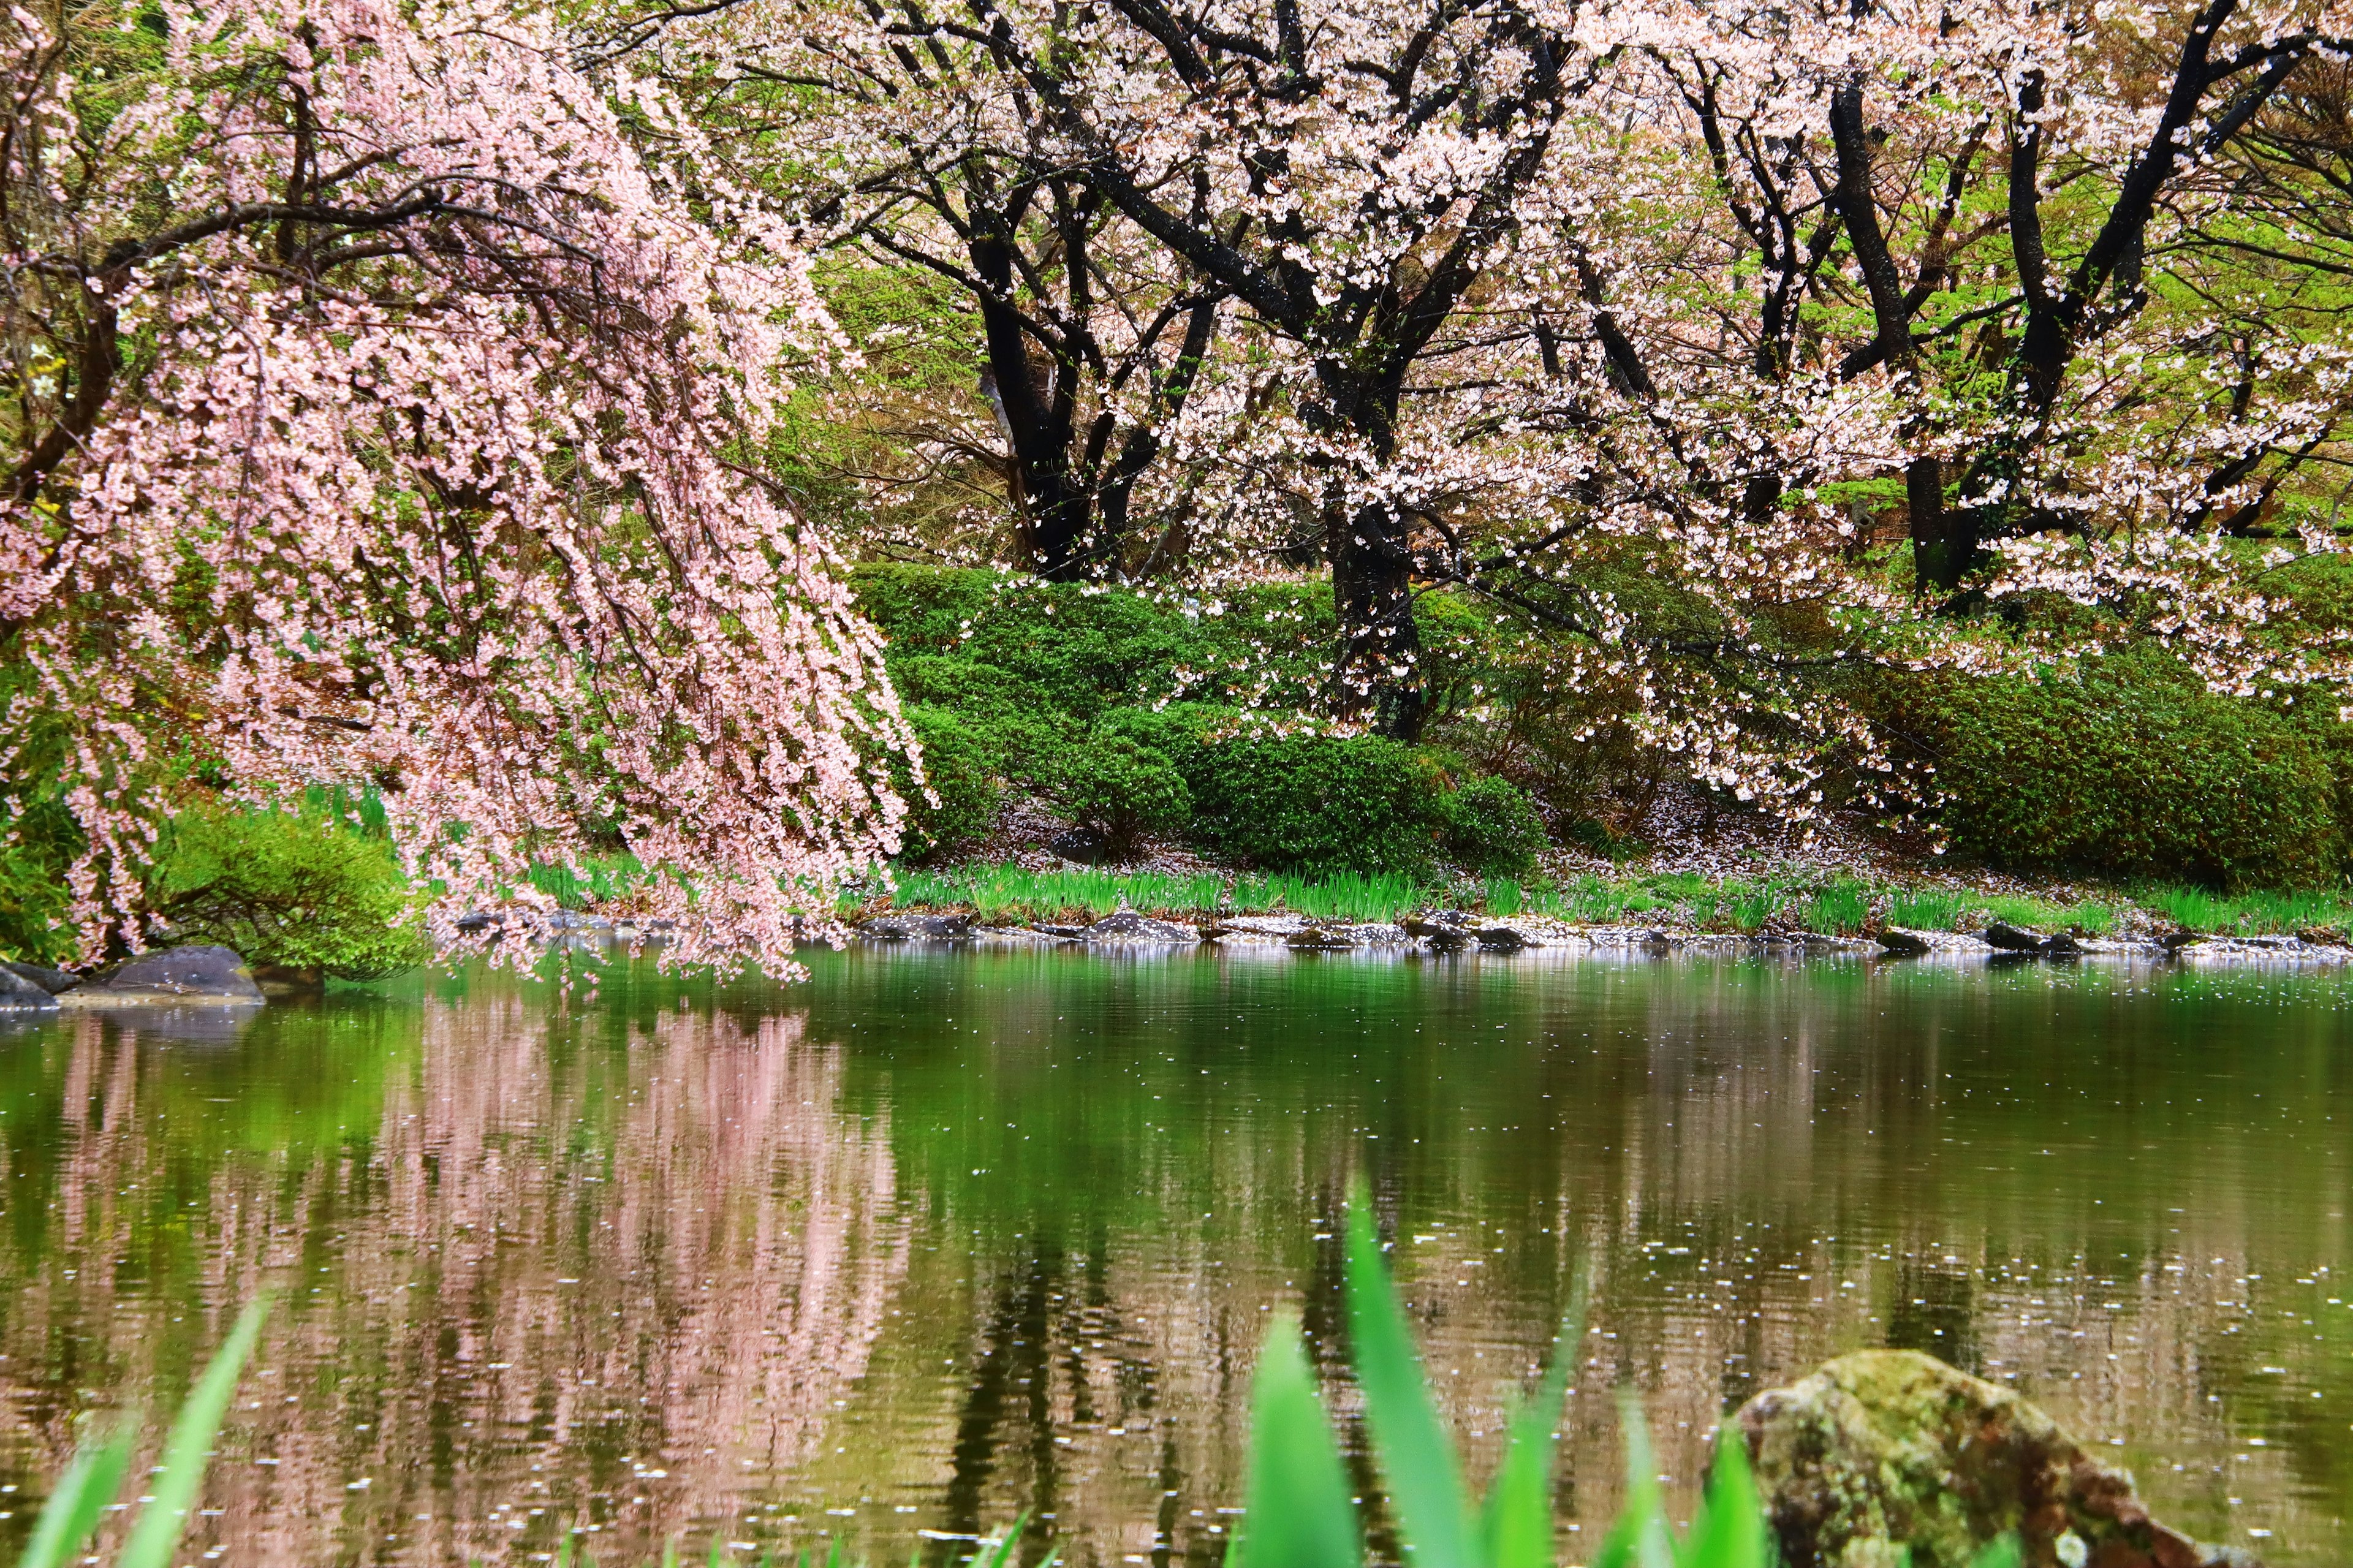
{"points": [[938, 1237]]}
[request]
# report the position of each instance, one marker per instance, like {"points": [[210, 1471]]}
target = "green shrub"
{"points": [[1122, 791], [294, 888], [1318, 802], [1491, 826], [2130, 769], [963, 763]]}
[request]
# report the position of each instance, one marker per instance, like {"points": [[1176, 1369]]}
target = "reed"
{"points": [[1299, 1510]]}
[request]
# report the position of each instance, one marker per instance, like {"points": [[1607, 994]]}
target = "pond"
{"points": [[938, 1237]]}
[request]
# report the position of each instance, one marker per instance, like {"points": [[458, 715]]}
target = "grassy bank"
{"points": [[1836, 906]]}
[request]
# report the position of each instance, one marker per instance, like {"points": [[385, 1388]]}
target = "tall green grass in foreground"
{"points": [[90, 1483], [1300, 1513], [1300, 1510]]}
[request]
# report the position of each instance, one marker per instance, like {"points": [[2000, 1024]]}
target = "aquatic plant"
{"points": [[96, 1474], [1300, 1513]]}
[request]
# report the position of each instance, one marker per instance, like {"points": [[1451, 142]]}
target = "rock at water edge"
{"points": [[56, 982], [19, 994], [1886, 1451], [917, 928], [175, 974], [2012, 939], [1126, 925]]}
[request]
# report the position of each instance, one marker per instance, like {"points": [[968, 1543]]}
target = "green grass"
{"points": [[593, 881], [2250, 914], [1843, 906], [1346, 897], [1926, 909], [1003, 893], [1300, 1509], [87, 1488]]}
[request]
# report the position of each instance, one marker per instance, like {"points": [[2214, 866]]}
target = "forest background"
{"points": [[754, 443]]}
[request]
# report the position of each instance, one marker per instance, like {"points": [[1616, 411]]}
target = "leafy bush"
{"points": [[294, 888], [1318, 802], [2131, 768], [1491, 826], [1122, 791], [962, 762]]}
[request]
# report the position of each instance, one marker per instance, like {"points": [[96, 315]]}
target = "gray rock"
{"points": [[56, 982], [917, 928], [2012, 939], [19, 995], [1127, 926], [1882, 1451], [204, 975], [1904, 943], [1500, 939], [1318, 939], [2062, 944]]}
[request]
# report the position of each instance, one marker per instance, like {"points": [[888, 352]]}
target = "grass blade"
{"points": [[189, 1449], [1297, 1513], [1425, 1483], [1730, 1530], [1640, 1538], [80, 1494], [1518, 1523]]}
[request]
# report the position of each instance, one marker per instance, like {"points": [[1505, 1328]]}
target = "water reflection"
{"points": [[939, 1238], [526, 1276]]}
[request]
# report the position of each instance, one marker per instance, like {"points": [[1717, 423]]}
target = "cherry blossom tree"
{"points": [[1646, 321], [382, 417]]}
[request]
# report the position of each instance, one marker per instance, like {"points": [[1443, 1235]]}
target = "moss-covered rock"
{"points": [[1886, 1452]]}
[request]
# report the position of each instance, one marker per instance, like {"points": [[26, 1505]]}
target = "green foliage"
{"points": [[2129, 768], [962, 766], [304, 889], [1122, 791], [90, 1483], [1318, 802], [1490, 826]]}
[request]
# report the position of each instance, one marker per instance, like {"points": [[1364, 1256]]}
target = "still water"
{"points": [[937, 1238]]}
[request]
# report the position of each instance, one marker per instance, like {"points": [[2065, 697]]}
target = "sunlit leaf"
{"points": [[1730, 1530], [189, 1449], [1298, 1513], [80, 1494], [1518, 1523], [1418, 1464]]}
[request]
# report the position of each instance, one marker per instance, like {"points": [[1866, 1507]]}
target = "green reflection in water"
{"points": [[941, 1236]]}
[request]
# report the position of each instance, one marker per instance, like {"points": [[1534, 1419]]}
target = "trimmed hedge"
{"points": [[2129, 768]]}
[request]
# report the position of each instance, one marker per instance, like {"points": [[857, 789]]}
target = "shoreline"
{"points": [[1506, 935]]}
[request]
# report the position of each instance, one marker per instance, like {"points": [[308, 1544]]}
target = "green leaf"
{"points": [[1298, 1513], [189, 1448], [1730, 1530], [1518, 1523], [1640, 1538], [2002, 1552], [1418, 1463], [80, 1494]]}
